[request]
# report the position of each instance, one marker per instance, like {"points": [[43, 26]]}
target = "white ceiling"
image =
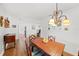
{"points": [[35, 10]]}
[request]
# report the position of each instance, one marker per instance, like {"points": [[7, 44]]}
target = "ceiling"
{"points": [[35, 10]]}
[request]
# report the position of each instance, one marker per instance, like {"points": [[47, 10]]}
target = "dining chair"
{"points": [[31, 37], [51, 38], [28, 47], [35, 50]]}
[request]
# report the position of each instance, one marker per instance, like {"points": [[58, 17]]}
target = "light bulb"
{"points": [[66, 22], [51, 22]]}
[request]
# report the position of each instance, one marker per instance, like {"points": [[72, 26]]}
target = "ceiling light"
{"points": [[58, 18]]}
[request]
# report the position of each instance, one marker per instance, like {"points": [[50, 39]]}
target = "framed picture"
{"points": [[6, 23]]}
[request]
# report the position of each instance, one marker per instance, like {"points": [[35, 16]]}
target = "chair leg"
{"points": [[32, 48], [29, 52]]}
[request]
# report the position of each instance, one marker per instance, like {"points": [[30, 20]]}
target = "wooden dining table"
{"points": [[51, 48]]}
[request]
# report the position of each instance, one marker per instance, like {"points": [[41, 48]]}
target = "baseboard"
{"points": [[67, 54], [2, 53]]}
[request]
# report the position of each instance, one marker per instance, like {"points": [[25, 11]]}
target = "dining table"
{"points": [[51, 48]]}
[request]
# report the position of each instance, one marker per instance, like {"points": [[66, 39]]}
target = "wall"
{"points": [[2, 31], [71, 37], [20, 24], [29, 23]]}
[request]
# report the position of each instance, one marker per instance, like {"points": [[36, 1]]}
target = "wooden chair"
{"points": [[51, 38], [34, 50], [31, 37], [28, 47]]}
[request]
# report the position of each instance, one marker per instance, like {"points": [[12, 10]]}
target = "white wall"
{"points": [[71, 37], [29, 23], [73, 33], [2, 31], [20, 23]]}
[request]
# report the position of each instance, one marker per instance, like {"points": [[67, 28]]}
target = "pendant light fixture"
{"points": [[58, 18]]}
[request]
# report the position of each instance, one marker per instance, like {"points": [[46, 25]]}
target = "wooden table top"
{"points": [[51, 48]]}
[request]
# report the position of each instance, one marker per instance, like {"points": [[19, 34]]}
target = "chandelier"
{"points": [[59, 19]]}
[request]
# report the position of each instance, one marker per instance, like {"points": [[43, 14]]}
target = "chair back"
{"points": [[51, 38], [32, 37]]}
